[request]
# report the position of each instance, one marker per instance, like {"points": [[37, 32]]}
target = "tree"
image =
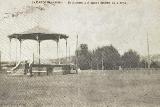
{"points": [[130, 59], [84, 57], [155, 64], [106, 57], [143, 64]]}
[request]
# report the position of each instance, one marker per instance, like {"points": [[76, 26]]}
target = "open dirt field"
{"points": [[109, 89]]}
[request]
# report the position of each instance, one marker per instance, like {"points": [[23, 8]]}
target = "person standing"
{"points": [[30, 69], [26, 67]]}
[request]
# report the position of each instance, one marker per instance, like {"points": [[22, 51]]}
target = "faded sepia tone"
{"points": [[95, 53]]}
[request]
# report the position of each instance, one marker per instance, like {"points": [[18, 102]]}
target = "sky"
{"points": [[125, 26]]}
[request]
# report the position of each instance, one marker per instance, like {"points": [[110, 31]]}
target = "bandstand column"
{"points": [[10, 41], [39, 52], [20, 51], [33, 58], [58, 51], [66, 50]]}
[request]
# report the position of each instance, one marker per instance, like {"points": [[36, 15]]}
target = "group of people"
{"points": [[28, 68]]}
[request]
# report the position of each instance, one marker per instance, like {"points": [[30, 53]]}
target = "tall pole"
{"points": [[92, 59], [69, 55], [148, 52], [77, 52], [91, 63], [102, 61]]}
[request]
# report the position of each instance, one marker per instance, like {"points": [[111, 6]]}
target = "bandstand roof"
{"points": [[38, 33]]}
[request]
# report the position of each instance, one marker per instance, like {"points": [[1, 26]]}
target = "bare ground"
{"points": [[109, 89]]}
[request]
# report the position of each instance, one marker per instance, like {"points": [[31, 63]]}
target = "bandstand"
{"points": [[40, 34]]}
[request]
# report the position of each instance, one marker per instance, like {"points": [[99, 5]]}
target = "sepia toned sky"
{"points": [[125, 26]]}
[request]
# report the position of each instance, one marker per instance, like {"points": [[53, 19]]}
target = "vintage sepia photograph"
{"points": [[79, 53]]}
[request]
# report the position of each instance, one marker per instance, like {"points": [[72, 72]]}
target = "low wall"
{"points": [[121, 71]]}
